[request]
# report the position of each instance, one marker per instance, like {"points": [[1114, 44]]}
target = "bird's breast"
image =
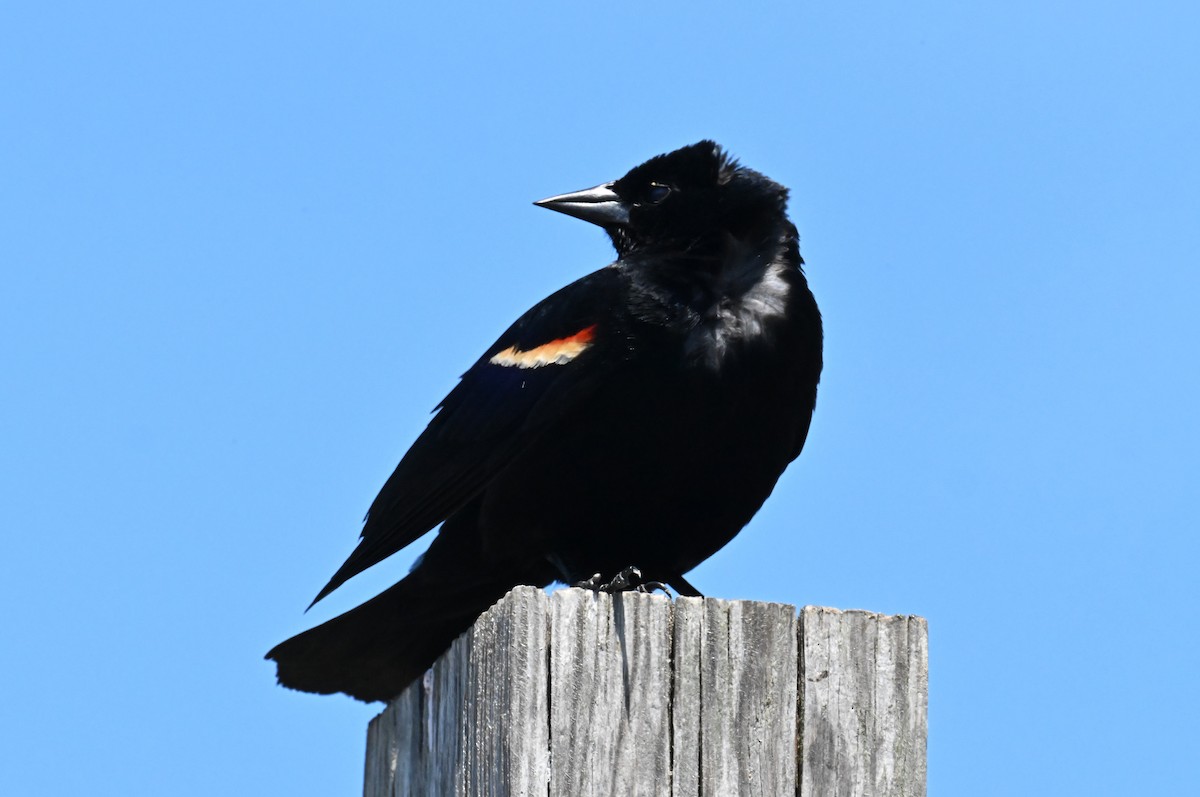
{"points": [[742, 313]]}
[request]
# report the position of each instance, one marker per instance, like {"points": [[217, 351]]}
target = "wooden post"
{"points": [[577, 694]]}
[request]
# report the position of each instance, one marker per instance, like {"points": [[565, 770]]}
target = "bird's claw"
{"points": [[628, 580], [625, 581], [595, 583]]}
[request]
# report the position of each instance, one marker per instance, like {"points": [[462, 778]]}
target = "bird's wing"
{"points": [[542, 367]]}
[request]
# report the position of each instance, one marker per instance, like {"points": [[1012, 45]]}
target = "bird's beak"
{"points": [[599, 205]]}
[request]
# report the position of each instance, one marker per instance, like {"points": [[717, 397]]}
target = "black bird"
{"points": [[640, 415]]}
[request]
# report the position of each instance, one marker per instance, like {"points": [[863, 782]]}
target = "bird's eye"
{"points": [[657, 192]]}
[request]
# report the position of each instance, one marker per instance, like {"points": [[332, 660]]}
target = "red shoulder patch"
{"points": [[556, 352]]}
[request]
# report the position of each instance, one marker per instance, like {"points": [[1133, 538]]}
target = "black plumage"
{"points": [[639, 416]]}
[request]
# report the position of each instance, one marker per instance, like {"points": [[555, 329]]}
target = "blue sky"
{"points": [[247, 247]]}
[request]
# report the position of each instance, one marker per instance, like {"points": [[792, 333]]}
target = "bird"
{"points": [[632, 422]]}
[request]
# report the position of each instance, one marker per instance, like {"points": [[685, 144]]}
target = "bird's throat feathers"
{"points": [[750, 294], [728, 299]]}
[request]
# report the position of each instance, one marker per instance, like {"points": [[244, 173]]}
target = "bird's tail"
{"points": [[375, 650]]}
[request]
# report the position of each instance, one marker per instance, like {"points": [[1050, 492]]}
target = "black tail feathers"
{"points": [[374, 651]]}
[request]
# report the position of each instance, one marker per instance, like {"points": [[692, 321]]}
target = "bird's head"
{"points": [[686, 201]]}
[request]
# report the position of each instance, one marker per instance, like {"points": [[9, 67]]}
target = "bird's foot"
{"points": [[595, 583], [628, 580]]}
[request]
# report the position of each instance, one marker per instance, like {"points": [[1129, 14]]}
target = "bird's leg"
{"points": [[628, 580]]}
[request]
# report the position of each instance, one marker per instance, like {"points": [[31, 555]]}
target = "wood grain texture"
{"points": [[865, 703], [735, 698], [686, 698], [610, 689], [477, 723], [590, 694]]}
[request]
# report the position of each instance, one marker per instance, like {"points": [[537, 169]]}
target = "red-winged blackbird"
{"points": [[640, 415]]}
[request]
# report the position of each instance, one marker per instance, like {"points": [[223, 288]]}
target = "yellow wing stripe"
{"points": [[556, 352]]}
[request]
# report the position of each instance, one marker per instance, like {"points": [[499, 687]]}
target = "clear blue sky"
{"points": [[246, 247]]}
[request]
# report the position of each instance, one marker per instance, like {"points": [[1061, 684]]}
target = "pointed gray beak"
{"points": [[599, 205]]}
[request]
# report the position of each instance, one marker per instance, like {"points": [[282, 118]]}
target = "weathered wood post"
{"points": [[579, 693]]}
